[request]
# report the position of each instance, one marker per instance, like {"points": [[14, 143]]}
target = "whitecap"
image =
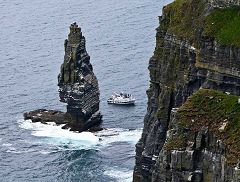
{"points": [[120, 175], [44, 152], [13, 150], [55, 135], [113, 135], [6, 144]]}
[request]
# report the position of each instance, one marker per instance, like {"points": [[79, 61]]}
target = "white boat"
{"points": [[121, 99]]}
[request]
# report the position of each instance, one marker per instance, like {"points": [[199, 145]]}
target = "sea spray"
{"points": [[53, 134]]}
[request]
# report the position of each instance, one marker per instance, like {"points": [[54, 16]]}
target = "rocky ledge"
{"points": [[78, 88]]}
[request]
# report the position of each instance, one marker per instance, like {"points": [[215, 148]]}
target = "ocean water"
{"points": [[120, 40]]}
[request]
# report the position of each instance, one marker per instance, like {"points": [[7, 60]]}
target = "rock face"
{"points": [[78, 88], [202, 140], [223, 3], [45, 116], [180, 66]]}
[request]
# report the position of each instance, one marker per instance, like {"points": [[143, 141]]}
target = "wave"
{"points": [[53, 134], [65, 139], [6, 144], [120, 175], [113, 135], [14, 150]]}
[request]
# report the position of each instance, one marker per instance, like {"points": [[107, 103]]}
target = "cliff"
{"points": [[197, 47], [78, 88]]}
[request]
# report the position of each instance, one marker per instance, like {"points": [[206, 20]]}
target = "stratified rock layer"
{"points": [[180, 67], [78, 86]]}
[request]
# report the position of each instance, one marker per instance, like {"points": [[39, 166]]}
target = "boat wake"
{"points": [[68, 140]]}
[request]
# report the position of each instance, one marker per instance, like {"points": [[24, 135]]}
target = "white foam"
{"points": [[13, 150], [113, 135], [123, 175], [44, 152], [55, 135], [6, 144]]}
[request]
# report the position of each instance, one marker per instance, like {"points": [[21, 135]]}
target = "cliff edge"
{"points": [[197, 55]]}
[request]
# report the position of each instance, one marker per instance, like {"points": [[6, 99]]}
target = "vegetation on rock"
{"points": [[224, 25], [219, 112], [185, 16], [189, 18], [177, 142]]}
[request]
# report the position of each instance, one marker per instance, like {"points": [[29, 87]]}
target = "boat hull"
{"points": [[121, 103]]}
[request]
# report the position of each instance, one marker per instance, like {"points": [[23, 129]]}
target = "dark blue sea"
{"points": [[120, 38]]}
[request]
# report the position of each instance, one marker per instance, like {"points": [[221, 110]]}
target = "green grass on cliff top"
{"points": [[189, 16], [212, 108], [184, 17], [224, 24]]}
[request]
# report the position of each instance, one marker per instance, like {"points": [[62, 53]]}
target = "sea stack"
{"points": [[78, 88]]}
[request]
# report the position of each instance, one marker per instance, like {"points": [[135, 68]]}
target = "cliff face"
{"points": [[78, 86], [193, 50], [202, 141]]}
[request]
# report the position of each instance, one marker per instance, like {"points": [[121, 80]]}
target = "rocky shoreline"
{"points": [[45, 116], [78, 88]]}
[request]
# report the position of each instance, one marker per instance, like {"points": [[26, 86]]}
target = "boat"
{"points": [[121, 99]]}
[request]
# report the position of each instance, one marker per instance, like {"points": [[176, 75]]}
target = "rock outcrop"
{"points": [[192, 52], [78, 88]]}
